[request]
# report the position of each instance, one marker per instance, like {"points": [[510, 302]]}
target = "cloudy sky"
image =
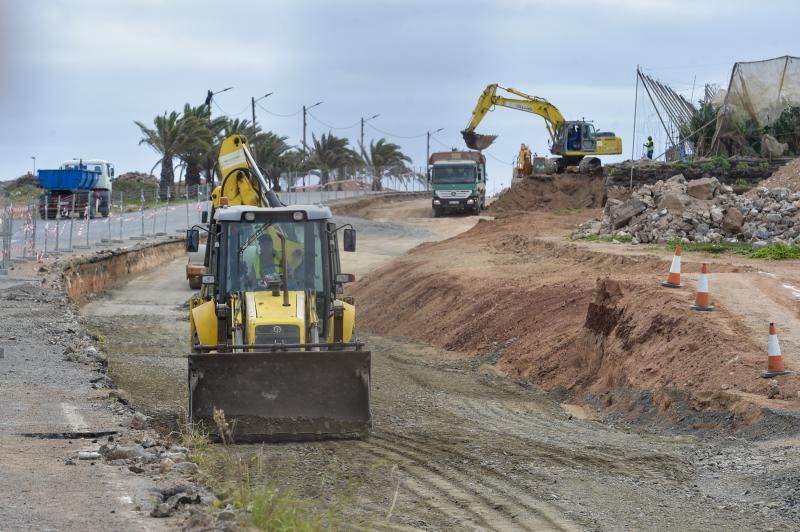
{"points": [[75, 75]]}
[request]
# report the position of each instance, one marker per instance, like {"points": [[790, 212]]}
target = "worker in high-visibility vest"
{"points": [[265, 261], [649, 145]]}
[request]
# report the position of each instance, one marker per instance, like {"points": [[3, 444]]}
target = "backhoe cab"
{"points": [[272, 340]]}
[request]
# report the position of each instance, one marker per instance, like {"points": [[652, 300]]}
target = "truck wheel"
{"points": [[436, 212], [477, 209]]}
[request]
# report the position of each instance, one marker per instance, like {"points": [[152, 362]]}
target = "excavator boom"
{"points": [[530, 104], [572, 140]]}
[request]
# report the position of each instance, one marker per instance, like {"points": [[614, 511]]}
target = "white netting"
{"points": [[761, 90], [758, 92]]}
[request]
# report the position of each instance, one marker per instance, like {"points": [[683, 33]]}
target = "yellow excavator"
{"points": [[572, 140], [272, 350]]}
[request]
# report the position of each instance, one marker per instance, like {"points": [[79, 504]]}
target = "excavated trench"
{"points": [[595, 325], [457, 444], [85, 277]]}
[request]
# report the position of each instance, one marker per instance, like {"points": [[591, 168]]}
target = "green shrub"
{"points": [[607, 238], [777, 252], [770, 252], [680, 166], [740, 248]]}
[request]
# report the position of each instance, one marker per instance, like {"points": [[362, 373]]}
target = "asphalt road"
{"points": [[33, 236]]}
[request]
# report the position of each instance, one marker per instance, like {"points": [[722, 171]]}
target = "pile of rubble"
{"points": [[701, 210]]}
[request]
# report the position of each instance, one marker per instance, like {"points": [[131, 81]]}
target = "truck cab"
{"points": [[457, 181]]}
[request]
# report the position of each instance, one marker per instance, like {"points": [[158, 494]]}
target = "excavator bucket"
{"points": [[476, 141], [281, 395]]}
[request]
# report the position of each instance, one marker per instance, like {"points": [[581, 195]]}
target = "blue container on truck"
{"points": [[78, 187]]}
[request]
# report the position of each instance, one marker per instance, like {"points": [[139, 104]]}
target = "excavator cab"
{"points": [[575, 138]]}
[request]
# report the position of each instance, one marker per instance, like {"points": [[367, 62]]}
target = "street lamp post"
{"points": [[363, 121], [34, 164], [253, 101], [211, 94], [428, 150], [305, 110]]}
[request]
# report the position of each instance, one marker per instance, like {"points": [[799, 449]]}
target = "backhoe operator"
{"points": [[267, 262]]}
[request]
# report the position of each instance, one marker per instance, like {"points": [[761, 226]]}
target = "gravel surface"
{"points": [[51, 414], [457, 446]]}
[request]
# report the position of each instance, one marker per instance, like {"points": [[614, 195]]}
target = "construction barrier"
{"points": [[24, 235]]}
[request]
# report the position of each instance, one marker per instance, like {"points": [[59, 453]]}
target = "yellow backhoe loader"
{"points": [[272, 348], [572, 140]]}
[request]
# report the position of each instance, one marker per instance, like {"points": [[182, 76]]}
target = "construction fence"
{"points": [[49, 227]]}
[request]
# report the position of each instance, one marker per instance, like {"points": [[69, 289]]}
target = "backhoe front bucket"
{"points": [[476, 141], [282, 395]]}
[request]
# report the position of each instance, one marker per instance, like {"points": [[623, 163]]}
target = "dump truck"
{"points": [[273, 356], [457, 182], [77, 187]]}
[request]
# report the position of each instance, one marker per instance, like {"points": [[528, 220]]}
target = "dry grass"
{"points": [[247, 482]]}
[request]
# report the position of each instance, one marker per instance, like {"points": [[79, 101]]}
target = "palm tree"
{"points": [[331, 153], [269, 148], [238, 127], [385, 158], [193, 156], [171, 136], [290, 162]]}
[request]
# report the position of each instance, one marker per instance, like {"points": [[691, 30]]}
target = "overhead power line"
{"points": [[330, 126], [442, 144], [224, 112], [396, 136], [278, 114], [498, 160]]}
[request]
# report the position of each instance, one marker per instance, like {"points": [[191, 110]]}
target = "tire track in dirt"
{"points": [[622, 462], [429, 484], [489, 492]]}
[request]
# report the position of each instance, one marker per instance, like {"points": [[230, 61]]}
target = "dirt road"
{"points": [[456, 445]]}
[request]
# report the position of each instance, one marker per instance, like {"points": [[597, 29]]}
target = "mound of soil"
{"points": [[539, 306], [559, 191], [787, 176]]}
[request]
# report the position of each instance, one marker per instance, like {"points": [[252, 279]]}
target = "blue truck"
{"points": [[77, 188]]}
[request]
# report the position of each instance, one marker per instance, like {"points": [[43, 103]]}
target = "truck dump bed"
{"points": [[72, 179], [474, 156]]}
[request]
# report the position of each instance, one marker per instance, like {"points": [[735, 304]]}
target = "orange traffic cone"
{"points": [[674, 277], [701, 300], [775, 365]]}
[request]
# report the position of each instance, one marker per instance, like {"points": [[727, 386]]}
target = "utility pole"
{"points": [[210, 96], [428, 151], [363, 121], [34, 161], [253, 101], [305, 110]]}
